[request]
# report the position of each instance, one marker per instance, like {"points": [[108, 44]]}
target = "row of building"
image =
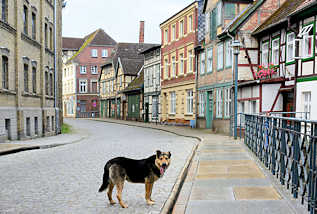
{"points": [[188, 79]]}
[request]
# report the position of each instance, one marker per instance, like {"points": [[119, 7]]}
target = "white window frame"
{"points": [[228, 54], [219, 99], [202, 104], [190, 61], [190, 22], [173, 32], [220, 56], [94, 52], [83, 69], [189, 102], [173, 66], [275, 53], [157, 75], [166, 68], [104, 53], [265, 53], [83, 86], [94, 69], [173, 102], [202, 63], [166, 36], [181, 64], [306, 37], [307, 102], [290, 48], [209, 60], [227, 102]]}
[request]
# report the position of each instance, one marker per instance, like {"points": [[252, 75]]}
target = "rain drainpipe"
{"points": [[57, 125], [232, 69]]}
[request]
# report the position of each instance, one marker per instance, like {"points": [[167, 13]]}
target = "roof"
{"points": [[280, 15], [151, 49], [130, 57], [179, 12], [71, 43], [307, 4], [98, 37], [137, 84]]}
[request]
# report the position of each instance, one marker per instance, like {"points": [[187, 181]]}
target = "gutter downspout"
{"points": [[196, 85], [57, 125], [232, 69]]}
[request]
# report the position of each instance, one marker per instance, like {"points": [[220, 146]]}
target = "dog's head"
{"points": [[162, 161]]}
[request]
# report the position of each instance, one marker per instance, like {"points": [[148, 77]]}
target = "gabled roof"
{"points": [[137, 84], [71, 43], [98, 37], [279, 16], [130, 57], [179, 12]]}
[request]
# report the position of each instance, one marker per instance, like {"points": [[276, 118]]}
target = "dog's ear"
{"points": [[169, 154], [158, 153]]}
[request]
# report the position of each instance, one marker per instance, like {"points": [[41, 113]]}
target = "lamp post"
{"points": [[236, 49]]}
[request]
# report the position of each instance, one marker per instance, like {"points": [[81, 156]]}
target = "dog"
{"points": [[146, 171]]}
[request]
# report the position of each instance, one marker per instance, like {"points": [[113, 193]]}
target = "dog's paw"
{"points": [[123, 205], [112, 202], [150, 202]]}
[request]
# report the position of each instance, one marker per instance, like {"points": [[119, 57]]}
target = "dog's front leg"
{"points": [[148, 191], [151, 187]]}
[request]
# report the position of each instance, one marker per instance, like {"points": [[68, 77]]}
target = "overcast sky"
{"points": [[119, 18]]}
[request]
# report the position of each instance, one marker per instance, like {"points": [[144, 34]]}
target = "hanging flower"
{"points": [[264, 72]]}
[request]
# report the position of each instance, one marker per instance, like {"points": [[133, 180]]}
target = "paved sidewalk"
{"points": [[225, 177], [42, 142]]}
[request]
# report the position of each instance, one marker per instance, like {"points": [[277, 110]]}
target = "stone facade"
{"points": [[27, 90]]}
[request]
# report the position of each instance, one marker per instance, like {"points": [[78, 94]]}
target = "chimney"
{"points": [[141, 33]]}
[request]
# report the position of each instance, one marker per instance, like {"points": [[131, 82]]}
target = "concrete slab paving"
{"points": [[256, 193]]}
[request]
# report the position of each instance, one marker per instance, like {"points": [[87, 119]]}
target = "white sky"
{"points": [[119, 18]]}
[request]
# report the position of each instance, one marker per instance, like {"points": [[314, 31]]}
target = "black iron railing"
{"points": [[287, 147]]}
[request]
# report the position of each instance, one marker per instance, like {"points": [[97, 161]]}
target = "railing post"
{"points": [[312, 184], [283, 152], [274, 145], [296, 154]]}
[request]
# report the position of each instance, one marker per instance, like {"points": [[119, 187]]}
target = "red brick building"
{"points": [[81, 72]]}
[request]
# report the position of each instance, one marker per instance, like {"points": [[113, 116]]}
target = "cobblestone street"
{"points": [[66, 179]]}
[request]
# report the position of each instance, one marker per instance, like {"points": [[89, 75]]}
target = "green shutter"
{"points": [[229, 10], [214, 25], [210, 25]]}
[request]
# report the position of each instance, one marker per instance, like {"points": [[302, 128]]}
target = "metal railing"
{"points": [[91, 114], [287, 147]]}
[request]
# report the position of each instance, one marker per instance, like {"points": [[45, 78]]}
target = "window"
{"points": [[51, 84], [94, 53], [45, 35], [103, 87], [28, 127], [166, 68], [173, 32], [290, 47], [219, 14], [157, 76], [275, 51], [166, 36], [229, 12], [220, 56], [307, 103], [36, 126], [219, 103], [46, 83], [52, 121], [150, 73], [207, 22], [83, 86], [4, 8], [181, 28], [228, 54], [34, 80], [82, 104], [47, 123], [202, 63], [190, 20], [25, 19], [253, 106], [83, 69], [181, 65], [120, 81], [5, 72], [33, 26], [94, 87], [202, 104], [308, 41], [213, 27], [190, 61], [94, 69], [104, 53], [209, 60], [189, 101], [26, 78], [51, 38], [155, 106], [173, 103], [265, 54], [173, 67], [227, 102]]}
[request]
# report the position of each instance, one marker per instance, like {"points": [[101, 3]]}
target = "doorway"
{"points": [[209, 109]]}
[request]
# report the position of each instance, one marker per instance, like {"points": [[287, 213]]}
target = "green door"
{"points": [[113, 108], [133, 106], [105, 108], [118, 109], [102, 103], [209, 109]]}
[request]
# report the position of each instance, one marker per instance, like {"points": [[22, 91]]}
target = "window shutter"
{"points": [[229, 10], [214, 23], [210, 25]]}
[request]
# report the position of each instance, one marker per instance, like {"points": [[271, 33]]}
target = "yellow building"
{"points": [[179, 38]]}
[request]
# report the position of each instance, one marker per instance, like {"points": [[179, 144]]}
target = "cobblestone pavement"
{"points": [[66, 179]]}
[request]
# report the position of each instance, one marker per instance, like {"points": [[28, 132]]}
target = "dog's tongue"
{"points": [[162, 170]]}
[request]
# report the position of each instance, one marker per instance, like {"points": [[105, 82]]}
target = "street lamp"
{"points": [[236, 50]]}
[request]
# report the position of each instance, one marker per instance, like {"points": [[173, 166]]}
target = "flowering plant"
{"points": [[264, 72]]}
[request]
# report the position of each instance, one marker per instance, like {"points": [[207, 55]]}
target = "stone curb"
{"points": [[170, 202], [47, 146]]}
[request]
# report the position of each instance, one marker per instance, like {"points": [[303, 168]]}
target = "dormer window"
{"points": [[308, 41], [94, 53]]}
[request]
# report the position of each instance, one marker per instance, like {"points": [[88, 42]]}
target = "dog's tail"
{"points": [[105, 182]]}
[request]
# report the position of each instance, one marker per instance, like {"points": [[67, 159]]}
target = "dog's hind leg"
{"points": [[109, 193], [119, 185]]}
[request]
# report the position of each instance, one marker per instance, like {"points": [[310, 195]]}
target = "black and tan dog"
{"points": [[146, 171]]}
